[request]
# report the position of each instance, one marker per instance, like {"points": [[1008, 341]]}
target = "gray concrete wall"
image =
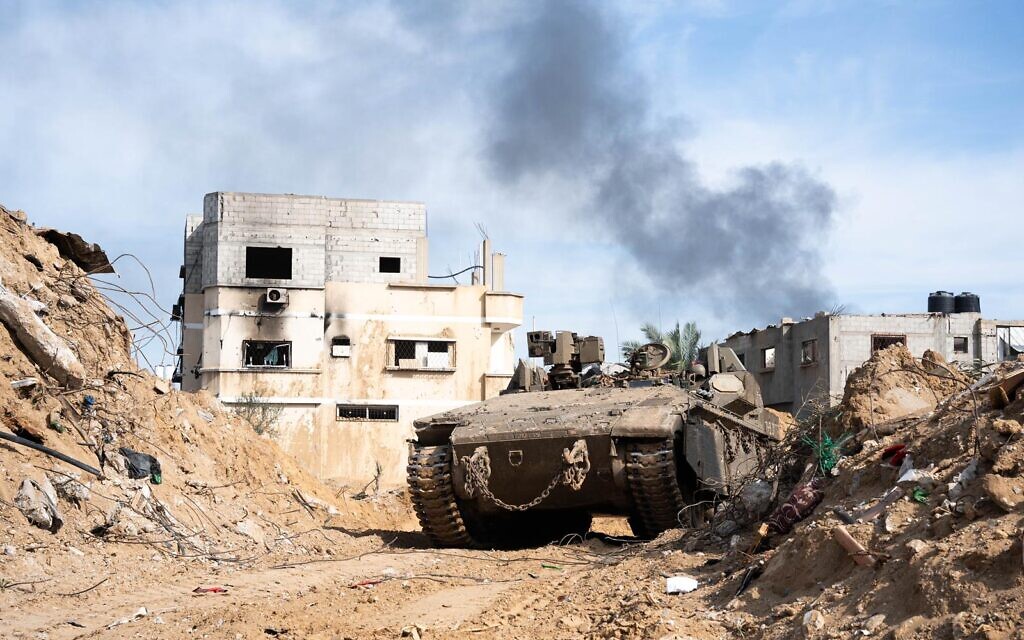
{"points": [[845, 343], [791, 383], [332, 239]]}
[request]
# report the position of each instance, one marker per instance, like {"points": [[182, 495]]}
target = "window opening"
{"points": [[959, 344], [768, 358], [390, 265], [884, 342], [808, 352], [268, 262], [421, 354], [341, 347], [384, 412], [265, 353]]}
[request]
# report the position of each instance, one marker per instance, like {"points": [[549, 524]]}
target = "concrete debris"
{"points": [[38, 502], [89, 256], [69, 487], [50, 352], [814, 621], [874, 623]]}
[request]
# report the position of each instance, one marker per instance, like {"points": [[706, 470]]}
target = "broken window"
{"points": [[808, 352], [879, 342], [421, 354], [368, 412], [959, 344], [268, 262], [390, 265], [1009, 343], [768, 358], [341, 347], [266, 353]]}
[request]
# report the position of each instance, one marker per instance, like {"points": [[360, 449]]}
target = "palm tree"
{"points": [[683, 343]]}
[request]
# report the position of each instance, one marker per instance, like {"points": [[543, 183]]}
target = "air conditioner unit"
{"points": [[277, 296]]}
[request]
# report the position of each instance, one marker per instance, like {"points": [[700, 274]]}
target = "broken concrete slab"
{"points": [[46, 348], [89, 256], [38, 502]]}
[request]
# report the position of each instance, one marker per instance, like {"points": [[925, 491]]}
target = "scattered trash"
{"points": [[960, 480], [205, 415], [551, 566], [845, 516], [24, 382], [856, 550], [9, 550], [894, 454], [680, 584], [923, 478], [88, 406], [752, 573], [54, 421], [801, 502], [366, 583], [890, 498], [142, 465], [919, 495], [826, 450], [201, 590], [138, 615], [38, 502]]}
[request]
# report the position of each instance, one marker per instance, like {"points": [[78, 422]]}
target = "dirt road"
{"points": [[386, 583]]}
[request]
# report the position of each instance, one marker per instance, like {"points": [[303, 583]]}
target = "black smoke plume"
{"points": [[571, 109]]}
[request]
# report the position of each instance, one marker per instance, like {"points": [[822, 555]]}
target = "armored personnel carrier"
{"points": [[537, 462]]}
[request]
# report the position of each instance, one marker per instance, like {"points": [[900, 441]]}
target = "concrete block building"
{"points": [[799, 362], [322, 307]]}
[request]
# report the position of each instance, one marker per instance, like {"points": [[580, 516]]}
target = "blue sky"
{"points": [[117, 117]]}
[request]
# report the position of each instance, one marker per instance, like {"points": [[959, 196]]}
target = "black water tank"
{"points": [[967, 302], [941, 302]]}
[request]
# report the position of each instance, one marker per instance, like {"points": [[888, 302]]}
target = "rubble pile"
{"points": [[156, 475], [893, 384], [920, 531]]}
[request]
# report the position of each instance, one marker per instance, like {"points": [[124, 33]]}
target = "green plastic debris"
{"points": [[827, 450], [919, 495], [551, 566]]}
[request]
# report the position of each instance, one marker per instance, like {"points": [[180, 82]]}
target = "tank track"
{"points": [[654, 486], [433, 497]]}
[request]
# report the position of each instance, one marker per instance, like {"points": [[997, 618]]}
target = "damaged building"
{"points": [[321, 309], [800, 364]]}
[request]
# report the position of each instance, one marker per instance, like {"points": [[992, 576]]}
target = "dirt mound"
{"points": [[893, 384], [221, 494], [943, 559]]}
